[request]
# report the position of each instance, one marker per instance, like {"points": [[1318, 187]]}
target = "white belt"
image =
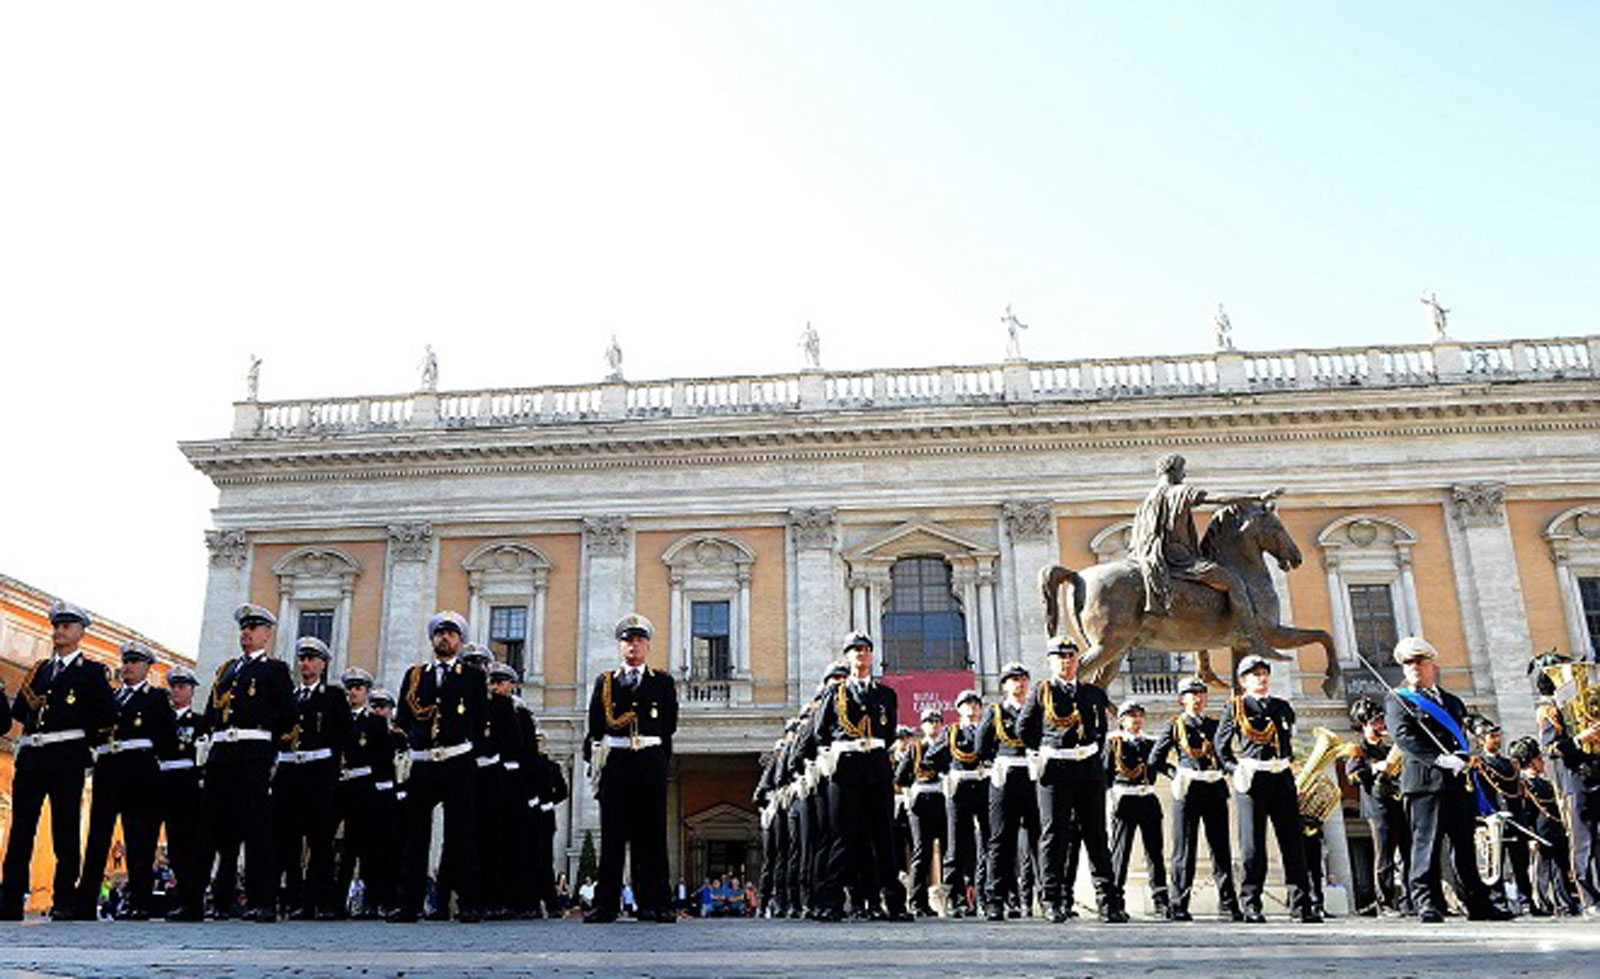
{"points": [[627, 743], [441, 754], [300, 757], [383, 786], [965, 774], [117, 747], [922, 788], [512, 766], [1245, 774], [241, 734], [548, 806], [1048, 753], [54, 737], [176, 764], [486, 762], [857, 744], [350, 773], [1000, 768], [1118, 791]]}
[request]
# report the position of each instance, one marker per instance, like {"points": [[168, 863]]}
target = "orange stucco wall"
{"points": [[366, 602]]}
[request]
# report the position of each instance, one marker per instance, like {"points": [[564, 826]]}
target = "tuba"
{"points": [[1488, 841], [1578, 698], [1316, 785]]}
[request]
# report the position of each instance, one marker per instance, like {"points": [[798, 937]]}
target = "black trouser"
{"points": [[772, 844], [519, 881], [1013, 807], [389, 825], [1586, 845], [1204, 804], [863, 851], [181, 801], [1139, 815], [55, 771], [451, 783], [926, 811], [821, 836], [798, 874], [1555, 868], [305, 821], [1519, 856], [966, 840], [1272, 798], [490, 811], [544, 857], [1072, 807], [1312, 842], [633, 813], [356, 801], [1436, 818], [1391, 846], [124, 787], [240, 812]]}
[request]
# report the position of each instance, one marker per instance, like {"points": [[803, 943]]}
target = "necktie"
{"points": [[123, 695], [631, 679]]}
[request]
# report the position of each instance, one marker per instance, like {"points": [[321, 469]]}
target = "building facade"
{"points": [[1450, 489]]}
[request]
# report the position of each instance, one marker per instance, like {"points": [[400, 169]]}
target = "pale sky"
{"points": [[333, 185]]}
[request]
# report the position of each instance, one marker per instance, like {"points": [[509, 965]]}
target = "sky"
{"points": [[331, 186]]}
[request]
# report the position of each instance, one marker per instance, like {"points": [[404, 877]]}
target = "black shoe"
{"points": [[1014, 913], [437, 914], [331, 915], [1490, 913], [1431, 917], [666, 916], [1231, 914], [1310, 916], [11, 914], [995, 913], [1539, 912], [1254, 918], [402, 916], [133, 914], [306, 913], [597, 916], [186, 914], [1180, 914], [829, 915], [901, 917], [64, 914], [265, 916], [1114, 916], [1057, 914], [924, 911], [469, 916]]}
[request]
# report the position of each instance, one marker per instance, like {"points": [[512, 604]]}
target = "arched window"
{"points": [[923, 625]]}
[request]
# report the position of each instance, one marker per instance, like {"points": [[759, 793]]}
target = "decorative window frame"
{"points": [[1574, 541], [316, 577], [711, 568], [511, 573], [1369, 549]]}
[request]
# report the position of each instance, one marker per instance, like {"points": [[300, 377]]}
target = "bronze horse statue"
{"points": [[1107, 602]]}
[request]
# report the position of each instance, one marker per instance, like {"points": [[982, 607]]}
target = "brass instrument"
{"points": [[1392, 764], [1316, 785], [1578, 698], [1488, 841]]}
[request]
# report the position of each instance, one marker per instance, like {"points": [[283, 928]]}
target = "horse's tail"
{"points": [[1051, 578]]}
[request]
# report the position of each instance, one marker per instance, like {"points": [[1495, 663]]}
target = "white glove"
{"points": [[1451, 763]]}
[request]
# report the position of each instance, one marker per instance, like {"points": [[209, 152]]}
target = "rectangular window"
{"points": [[1372, 616], [508, 633], [709, 640], [1589, 594], [316, 622]]}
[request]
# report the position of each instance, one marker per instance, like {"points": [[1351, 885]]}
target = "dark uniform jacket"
{"points": [[1127, 759], [873, 709], [922, 762], [189, 726], [649, 709], [322, 720], [958, 747], [75, 697], [1061, 715], [1261, 715], [143, 712], [251, 692], [1411, 727], [1000, 733], [1194, 739], [502, 736], [435, 714], [1366, 769], [370, 745]]}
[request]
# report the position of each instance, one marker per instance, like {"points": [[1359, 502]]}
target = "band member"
{"points": [[1013, 801], [1134, 806], [442, 708], [64, 701], [388, 807], [250, 708], [966, 805], [921, 775], [1499, 780], [633, 714], [303, 787], [1440, 803], [1254, 743], [1200, 797], [1555, 890], [180, 796], [1064, 720], [125, 769], [1580, 780], [1369, 767], [357, 798], [854, 726]]}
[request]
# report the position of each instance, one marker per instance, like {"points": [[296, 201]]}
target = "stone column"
{"points": [[606, 596], [964, 582], [814, 533], [533, 678], [1028, 542], [989, 641], [741, 623], [681, 659], [407, 601], [227, 587], [1478, 511]]}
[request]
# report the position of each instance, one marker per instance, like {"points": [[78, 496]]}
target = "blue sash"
{"points": [[1436, 710]]}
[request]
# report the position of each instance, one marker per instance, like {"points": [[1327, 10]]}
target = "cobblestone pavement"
{"points": [[730, 949]]}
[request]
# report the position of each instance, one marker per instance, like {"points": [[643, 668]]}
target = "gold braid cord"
{"points": [[1508, 787], [220, 699], [1267, 734], [627, 720], [33, 698], [858, 730], [1133, 773], [1206, 749], [1539, 803], [923, 774], [1000, 730], [1047, 698], [418, 711], [965, 757]]}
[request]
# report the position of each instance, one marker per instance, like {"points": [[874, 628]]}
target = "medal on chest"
{"points": [[72, 697]]}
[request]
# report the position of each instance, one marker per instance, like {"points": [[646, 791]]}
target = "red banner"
{"points": [[919, 691]]}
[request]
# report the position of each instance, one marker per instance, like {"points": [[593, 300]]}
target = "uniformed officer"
{"points": [[180, 796], [921, 775], [1013, 803], [250, 708], [768, 798], [552, 792], [1555, 886], [1381, 807], [1440, 803], [1579, 779], [63, 704], [811, 773], [1254, 742], [1135, 810], [633, 714], [497, 738], [356, 799], [854, 726], [1499, 779], [125, 769], [1199, 798], [966, 806], [1064, 719], [310, 758], [510, 886], [442, 711], [388, 812]]}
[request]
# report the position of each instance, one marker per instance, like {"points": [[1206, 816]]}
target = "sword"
{"points": [[1406, 705]]}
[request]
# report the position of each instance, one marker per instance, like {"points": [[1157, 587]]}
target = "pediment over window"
{"points": [[1113, 542], [316, 562], [721, 821], [708, 551], [918, 537], [1575, 530], [507, 557]]}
